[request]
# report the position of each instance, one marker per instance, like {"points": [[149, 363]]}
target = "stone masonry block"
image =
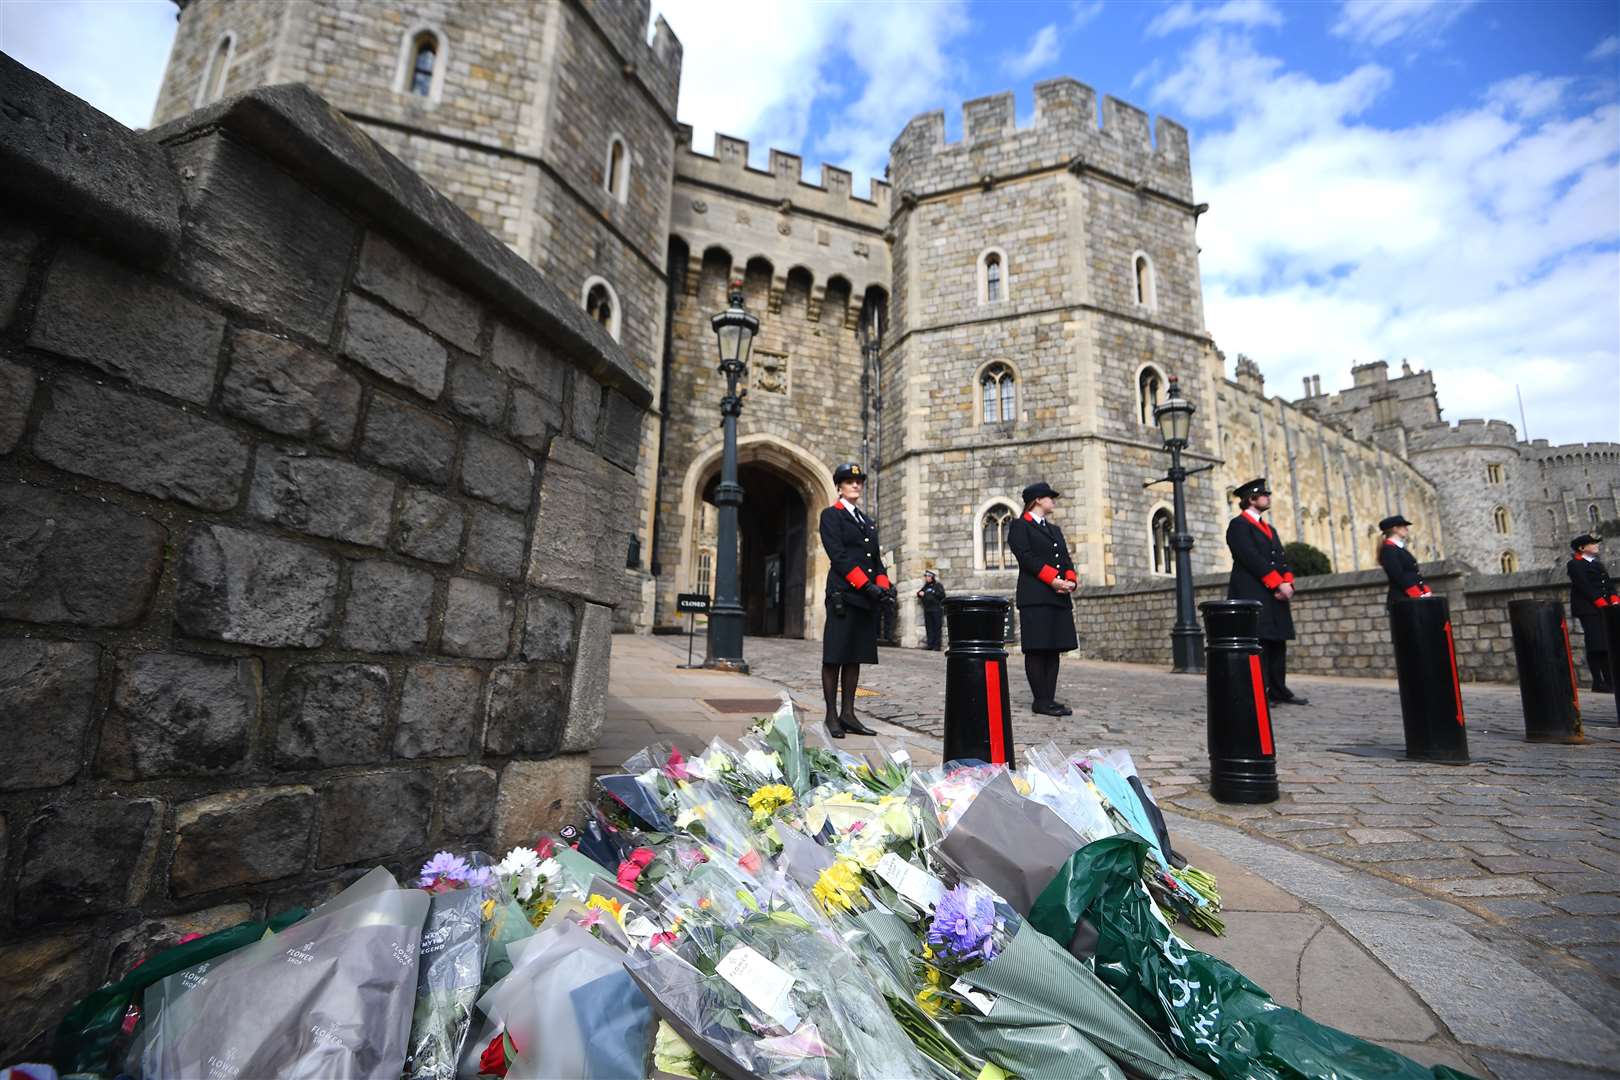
{"points": [[467, 803], [240, 838], [539, 796], [429, 526], [388, 608], [495, 471], [141, 445], [321, 496], [128, 325], [174, 714], [548, 629], [16, 397], [382, 341], [57, 881], [332, 714], [255, 590], [40, 979], [621, 431], [374, 816], [587, 408], [47, 690], [477, 620], [411, 440], [17, 246], [389, 273], [290, 390], [495, 544], [477, 392], [65, 559], [258, 240], [439, 711], [583, 562], [587, 698], [526, 360], [535, 420], [527, 707]]}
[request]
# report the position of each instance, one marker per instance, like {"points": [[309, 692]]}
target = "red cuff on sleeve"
{"points": [[1602, 601], [883, 581], [1427, 591], [1414, 591], [1048, 574], [1613, 599], [857, 577], [1070, 575], [1272, 580], [1289, 577]]}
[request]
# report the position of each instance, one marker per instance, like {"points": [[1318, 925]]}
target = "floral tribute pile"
{"points": [[762, 910]]}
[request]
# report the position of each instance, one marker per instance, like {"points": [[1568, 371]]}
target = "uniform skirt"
{"points": [[1596, 639], [850, 638], [1047, 628]]}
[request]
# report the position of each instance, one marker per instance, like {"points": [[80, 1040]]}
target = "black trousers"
{"points": [[1274, 667], [933, 619], [1598, 661]]}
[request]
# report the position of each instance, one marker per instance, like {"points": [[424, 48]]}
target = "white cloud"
{"points": [[1609, 46], [1186, 15], [1041, 51], [1082, 12], [111, 53], [1482, 244], [1379, 22]]}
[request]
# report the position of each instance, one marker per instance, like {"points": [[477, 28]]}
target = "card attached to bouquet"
{"points": [[977, 998], [918, 886], [764, 984]]}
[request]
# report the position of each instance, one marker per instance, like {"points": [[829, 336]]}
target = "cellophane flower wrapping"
{"points": [[329, 996], [450, 970]]}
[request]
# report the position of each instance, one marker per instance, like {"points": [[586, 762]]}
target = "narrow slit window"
{"points": [[992, 278], [424, 56]]}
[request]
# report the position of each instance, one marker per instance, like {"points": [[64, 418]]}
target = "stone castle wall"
{"points": [[294, 461], [1577, 482]]}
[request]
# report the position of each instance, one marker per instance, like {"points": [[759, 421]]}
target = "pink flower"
{"points": [[628, 873], [663, 937], [750, 862], [690, 857], [545, 848], [642, 856], [675, 768]]}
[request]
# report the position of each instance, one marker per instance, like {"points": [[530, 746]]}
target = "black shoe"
{"points": [[1047, 708], [1064, 709], [854, 726], [834, 728], [1291, 699]]}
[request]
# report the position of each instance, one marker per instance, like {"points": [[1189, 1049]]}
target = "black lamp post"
{"points": [[735, 329], [1174, 417]]}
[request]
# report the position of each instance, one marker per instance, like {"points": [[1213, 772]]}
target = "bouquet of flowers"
{"points": [[451, 968]]}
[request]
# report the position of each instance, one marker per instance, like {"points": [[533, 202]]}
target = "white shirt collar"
{"points": [[1251, 513], [1038, 518], [1398, 541], [847, 505], [1588, 558]]}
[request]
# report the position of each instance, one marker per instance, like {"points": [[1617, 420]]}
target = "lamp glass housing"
{"points": [[1174, 416], [734, 329]]}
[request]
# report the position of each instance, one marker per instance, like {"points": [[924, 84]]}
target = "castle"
{"points": [[1007, 306]]}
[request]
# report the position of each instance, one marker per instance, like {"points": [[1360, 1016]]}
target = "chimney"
{"points": [[1307, 381], [1316, 386]]}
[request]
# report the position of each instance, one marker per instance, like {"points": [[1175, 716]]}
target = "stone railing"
{"points": [[301, 569], [1340, 619]]}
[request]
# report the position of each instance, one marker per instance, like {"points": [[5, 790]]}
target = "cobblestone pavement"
{"points": [[1525, 839]]}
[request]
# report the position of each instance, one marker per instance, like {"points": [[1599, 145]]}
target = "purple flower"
{"points": [[443, 867], [480, 877], [964, 921]]}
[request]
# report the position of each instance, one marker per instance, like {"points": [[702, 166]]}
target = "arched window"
{"points": [[423, 58], [1499, 518], [602, 305], [992, 277], [993, 527], [1142, 273], [998, 394], [212, 87], [1163, 526], [1493, 474], [705, 563], [1592, 515], [616, 174], [1149, 392], [1510, 563]]}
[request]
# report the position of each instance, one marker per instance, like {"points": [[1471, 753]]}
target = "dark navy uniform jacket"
{"points": [[852, 547], [1043, 557], [1258, 567], [1590, 587], [1402, 567]]}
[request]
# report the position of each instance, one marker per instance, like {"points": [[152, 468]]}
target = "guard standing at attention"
{"points": [[857, 584], [1046, 578], [1399, 564], [1260, 572], [932, 595], [1590, 591]]}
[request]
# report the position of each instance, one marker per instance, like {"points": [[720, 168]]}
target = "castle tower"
{"points": [[552, 124], [1045, 288], [1488, 491]]}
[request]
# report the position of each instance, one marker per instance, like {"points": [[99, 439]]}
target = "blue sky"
{"points": [[1387, 178]]}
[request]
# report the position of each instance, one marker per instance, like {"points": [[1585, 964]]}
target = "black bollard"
{"points": [[1611, 631], [1426, 665], [978, 709], [1547, 687], [1242, 760]]}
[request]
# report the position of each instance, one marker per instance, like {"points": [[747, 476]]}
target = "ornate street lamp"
{"points": [[735, 329], [1174, 417]]}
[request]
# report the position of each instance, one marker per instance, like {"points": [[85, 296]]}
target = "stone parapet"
{"points": [[297, 571]]}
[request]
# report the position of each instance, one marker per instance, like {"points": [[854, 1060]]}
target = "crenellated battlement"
{"points": [[1065, 130], [658, 62], [1465, 433], [727, 167]]}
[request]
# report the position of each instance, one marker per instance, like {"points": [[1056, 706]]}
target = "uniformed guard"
{"points": [[932, 595], [857, 584], [1399, 564], [1590, 591], [1260, 572], [1046, 578]]}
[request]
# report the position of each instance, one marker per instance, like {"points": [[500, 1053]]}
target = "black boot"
{"points": [[829, 692], [846, 717]]}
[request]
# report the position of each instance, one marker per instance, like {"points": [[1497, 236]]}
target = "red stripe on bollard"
{"points": [[1574, 687], [1262, 713], [1456, 683], [992, 697]]}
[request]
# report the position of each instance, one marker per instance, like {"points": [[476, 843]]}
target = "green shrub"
{"points": [[1306, 560]]}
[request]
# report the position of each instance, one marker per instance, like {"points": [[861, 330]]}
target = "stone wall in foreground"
{"points": [[1340, 619], [301, 564]]}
